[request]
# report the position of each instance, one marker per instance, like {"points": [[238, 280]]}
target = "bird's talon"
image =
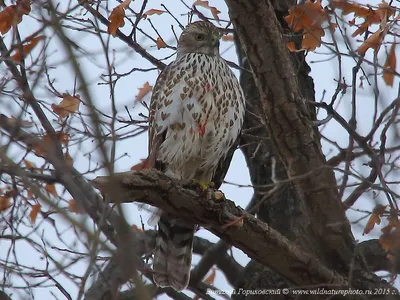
{"points": [[203, 186]]}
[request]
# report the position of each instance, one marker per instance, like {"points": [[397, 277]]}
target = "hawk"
{"points": [[196, 115]]}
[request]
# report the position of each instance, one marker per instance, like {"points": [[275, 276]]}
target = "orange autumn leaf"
{"points": [[34, 212], [393, 223], [211, 278], [27, 48], [390, 241], [136, 228], [47, 142], [227, 37], [214, 11], [63, 137], [291, 46], [374, 41], [370, 15], [117, 18], [51, 189], [390, 66], [160, 43], [375, 218], [67, 106], [144, 164], [22, 123], [312, 39], [151, 12], [29, 164], [74, 207], [350, 7], [143, 91], [308, 17], [12, 15], [40, 150], [385, 11], [4, 203]]}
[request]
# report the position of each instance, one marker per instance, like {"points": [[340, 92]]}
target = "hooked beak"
{"points": [[215, 40]]}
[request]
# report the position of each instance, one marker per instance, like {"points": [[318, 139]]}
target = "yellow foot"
{"points": [[203, 185]]}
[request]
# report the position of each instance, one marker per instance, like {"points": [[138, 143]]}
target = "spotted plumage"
{"points": [[196, 114]]}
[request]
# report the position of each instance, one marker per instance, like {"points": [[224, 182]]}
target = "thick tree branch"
{"points": [[254, 237]]}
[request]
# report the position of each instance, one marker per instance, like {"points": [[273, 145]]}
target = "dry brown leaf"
{"points": [[41, 150], [117, 18], [34, 212], [308, 17], [67, 106], [160, 43], [390, 241], [393, 222], [390, 66], [12, 15], [22, 123], [370, 16], [4, 203], [351, 7], [374, 41], [227, 38], [312, 39], [153, 11], [375, 218], [74, 207], [144, 164], [51, 190], [214, 11], [143, 91], [29, 164], [291, 46], [136, 228], [211, 278], [63, 138], [27, 48], [47, 142]]}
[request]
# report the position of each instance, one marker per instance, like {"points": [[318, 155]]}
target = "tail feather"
{"points": [[173, 253]]}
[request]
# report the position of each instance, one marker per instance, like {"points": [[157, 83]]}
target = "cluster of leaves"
{"points": [[311, 20], [69, 105], [12, 15], [117, 16], [390, 237]]}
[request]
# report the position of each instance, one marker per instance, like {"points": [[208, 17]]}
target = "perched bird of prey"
{"points": [[196, 115]]}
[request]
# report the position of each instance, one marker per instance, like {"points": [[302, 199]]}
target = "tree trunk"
{"points": [[280, 143]]}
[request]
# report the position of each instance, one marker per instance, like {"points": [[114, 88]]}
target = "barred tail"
{"points": [[173, 253]]}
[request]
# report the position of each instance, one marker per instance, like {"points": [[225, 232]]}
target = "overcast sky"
{"points": [[324, 73]]}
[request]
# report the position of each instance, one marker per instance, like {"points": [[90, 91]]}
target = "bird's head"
{"points": [[199, 37]]}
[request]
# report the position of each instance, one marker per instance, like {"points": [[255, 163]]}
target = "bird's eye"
{"points": [[199, 37]]}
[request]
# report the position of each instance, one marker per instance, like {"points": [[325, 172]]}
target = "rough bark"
{"points": [[308, 210], [223, 218]]}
